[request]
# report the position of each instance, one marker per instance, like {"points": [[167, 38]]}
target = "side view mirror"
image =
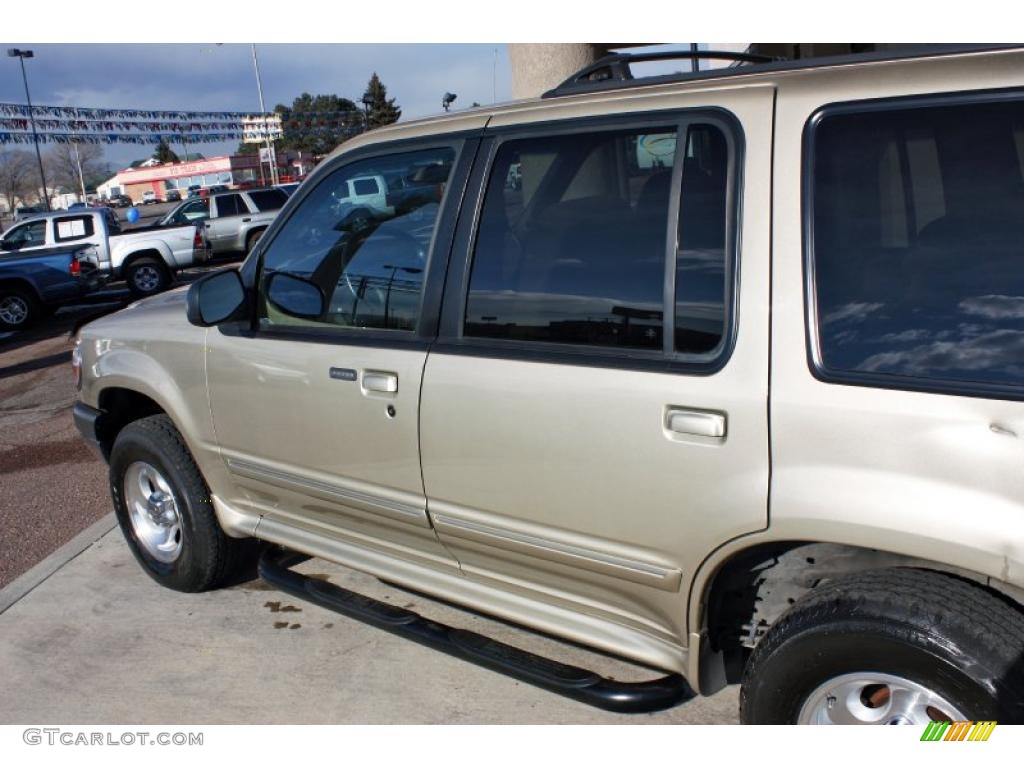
{"points": [[295, 296], [217, 298]]}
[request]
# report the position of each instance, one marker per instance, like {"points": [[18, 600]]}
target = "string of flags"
{"points": [[87, 125]]}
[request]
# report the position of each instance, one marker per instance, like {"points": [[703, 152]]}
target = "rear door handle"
{"points": [[246, 220], [690, 422], [380, 381]]}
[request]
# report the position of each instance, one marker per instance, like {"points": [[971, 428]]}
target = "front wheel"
{"points": [[146, 277], [889, 647], [166, 513]]}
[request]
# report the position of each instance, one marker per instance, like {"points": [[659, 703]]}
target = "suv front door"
{"points": [[317, 413], [594, 416]]}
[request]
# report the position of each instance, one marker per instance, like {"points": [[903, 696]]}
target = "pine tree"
{"points": [[164, 153], [317, 124], [382, 110]]}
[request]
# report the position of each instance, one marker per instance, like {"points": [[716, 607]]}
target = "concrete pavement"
{"points": [[93, 640]]}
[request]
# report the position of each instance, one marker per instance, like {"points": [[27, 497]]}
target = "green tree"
{"points": [[317, 124], [164, 153], [382, 110]]}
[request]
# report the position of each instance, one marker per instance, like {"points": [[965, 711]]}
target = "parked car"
{"points": [[78, 206], [146, 257], [34, 283], [149, 197], [234, 220], [173, 196], [120, 201], [194, 190], [729, 384]]}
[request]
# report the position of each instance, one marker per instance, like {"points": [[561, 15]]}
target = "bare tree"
{"points": [[62, 164], [19, 177]]}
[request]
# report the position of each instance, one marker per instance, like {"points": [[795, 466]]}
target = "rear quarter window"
{"points": [[917, 244], [268, 199]]}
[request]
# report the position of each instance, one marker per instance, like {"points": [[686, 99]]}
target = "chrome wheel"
{"points": [[146, 278], [13, 310], [153, 511], [872, 698]]}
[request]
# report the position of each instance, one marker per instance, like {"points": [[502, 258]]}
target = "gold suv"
{"points": [[719, 372]]}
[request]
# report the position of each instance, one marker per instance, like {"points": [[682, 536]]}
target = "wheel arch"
{"points": [[744, 587]]}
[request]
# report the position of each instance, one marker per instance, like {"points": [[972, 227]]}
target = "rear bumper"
{"points": [[87, 422]]}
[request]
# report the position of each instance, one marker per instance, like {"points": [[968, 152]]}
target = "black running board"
{"points": [[574, 682]]}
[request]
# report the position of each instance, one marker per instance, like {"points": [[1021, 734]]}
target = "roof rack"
{"points": [[616, 66], [613, 71]]}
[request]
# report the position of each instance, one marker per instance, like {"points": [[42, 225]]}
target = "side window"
{"points": [[918, 242], [230, 205], [365, 255], [72, 228], [268, 199], [29, 235], [571, 247], [196, 210]]}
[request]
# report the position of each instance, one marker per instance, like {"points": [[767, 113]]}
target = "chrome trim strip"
{"points": [[637, 566], [268, 474]]}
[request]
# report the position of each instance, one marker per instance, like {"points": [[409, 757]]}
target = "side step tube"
{"points": [[574, 682]]}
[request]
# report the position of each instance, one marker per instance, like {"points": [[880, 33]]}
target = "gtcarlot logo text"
{"points": [[59, 736]]}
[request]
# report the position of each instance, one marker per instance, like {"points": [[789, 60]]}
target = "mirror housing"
{"points": [[217, 298], [295, 296]]}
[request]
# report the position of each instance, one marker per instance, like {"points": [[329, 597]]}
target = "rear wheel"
{"points": [[19, 308], [250, 241], [147, 276], [166, 513], [889, 647]]}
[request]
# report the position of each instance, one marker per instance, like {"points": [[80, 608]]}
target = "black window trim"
{"points": [[812, 338], [451, 339], [464, 144], [71, 217]]}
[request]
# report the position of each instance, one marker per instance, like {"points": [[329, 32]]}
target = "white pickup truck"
{"points": [[146, 257]]}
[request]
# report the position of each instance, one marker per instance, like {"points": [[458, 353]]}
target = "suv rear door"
{"points": [[594, 415], [317, 417]]}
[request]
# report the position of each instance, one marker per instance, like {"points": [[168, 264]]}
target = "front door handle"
{"points": [[380, 381], [690, 422]]}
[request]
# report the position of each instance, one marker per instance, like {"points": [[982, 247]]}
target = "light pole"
{"points": [[22, 55], [367, 103], [266, 124]]}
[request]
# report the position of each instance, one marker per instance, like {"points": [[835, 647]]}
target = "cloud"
{"points": [[857, 310], [1001, 351], [994, 306]]}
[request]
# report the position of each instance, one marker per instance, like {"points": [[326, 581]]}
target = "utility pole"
{"points": [[21, 56], [78, 162], [266, 124]]}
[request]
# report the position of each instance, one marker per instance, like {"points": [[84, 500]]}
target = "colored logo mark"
{"points": [[958, 731]]}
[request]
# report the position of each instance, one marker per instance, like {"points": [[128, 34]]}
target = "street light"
{"points": [[266, 123], [367, 103], [22, 55]]}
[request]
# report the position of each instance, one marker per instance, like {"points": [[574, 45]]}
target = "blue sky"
{"points": [[205, 76]]}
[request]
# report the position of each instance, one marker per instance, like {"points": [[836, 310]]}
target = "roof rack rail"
{"points": [[616, 66], [612, 72]]}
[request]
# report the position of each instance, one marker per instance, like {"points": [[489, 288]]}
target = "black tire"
{"points": [[19, 308], [946, 634], [147, 277], [251, 239], [208, 557]]}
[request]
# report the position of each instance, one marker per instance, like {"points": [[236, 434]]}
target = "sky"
{"points": [[221, 77]]}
